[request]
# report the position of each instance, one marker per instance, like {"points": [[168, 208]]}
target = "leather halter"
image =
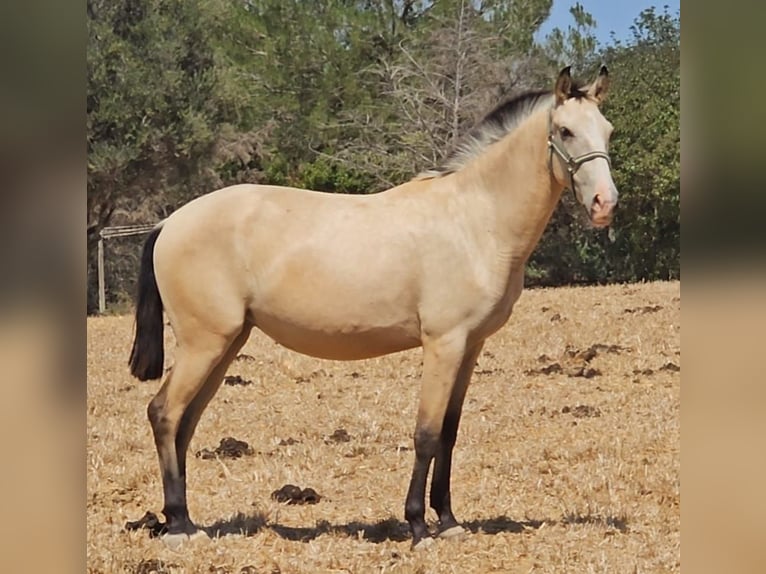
{"points": [[572, 163]]}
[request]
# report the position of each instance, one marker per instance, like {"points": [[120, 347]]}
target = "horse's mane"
{"points": [[501, 121]]}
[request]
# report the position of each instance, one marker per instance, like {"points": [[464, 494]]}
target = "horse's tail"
{"points": [[147, 355]]}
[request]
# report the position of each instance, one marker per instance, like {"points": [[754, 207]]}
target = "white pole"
{"points": [[101, 282]]}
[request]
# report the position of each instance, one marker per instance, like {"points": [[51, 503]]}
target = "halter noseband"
{"points": [[572, 163]]}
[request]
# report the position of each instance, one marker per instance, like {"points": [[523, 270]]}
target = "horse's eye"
{"points": [[565, 133]]}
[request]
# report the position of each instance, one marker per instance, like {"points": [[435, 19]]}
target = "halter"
{"points": [[572, 163]]}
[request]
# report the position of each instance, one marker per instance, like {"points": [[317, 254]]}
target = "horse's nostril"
{"points": [[597, 200]]}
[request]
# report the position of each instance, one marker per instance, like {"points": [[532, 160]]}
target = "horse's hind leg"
{"points": [[440, 483], [442, 359], [196, 407], [195, 361]]}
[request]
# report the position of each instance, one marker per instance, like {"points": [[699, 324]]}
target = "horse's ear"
{"points": [[563, 85], [597, 90]]}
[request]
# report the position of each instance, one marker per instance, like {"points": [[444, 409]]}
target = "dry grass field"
{"points": [[567, 460]]}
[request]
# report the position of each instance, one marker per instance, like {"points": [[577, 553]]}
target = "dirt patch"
{"points": [[244, 358], [313, 375], [612, 349], [548, 369], [488, 371], [578, 411], [668, 367], [340, 435], [228, 448], [236, 380], [582, 411], [671, 367], [289, 441], [575, 362], [150, 522], [646, 372], [583, 371], [292, 494], [644, 309]]}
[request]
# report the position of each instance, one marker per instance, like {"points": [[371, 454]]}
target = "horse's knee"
{"points": [[426, 442]]}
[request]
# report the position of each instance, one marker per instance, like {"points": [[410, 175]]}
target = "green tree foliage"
{"points": [[158, 91], [164, 105], [577, 45], [309, 61], [644, 106]]}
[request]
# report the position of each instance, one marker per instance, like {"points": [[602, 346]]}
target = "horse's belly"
{"points": [[346, 343]]}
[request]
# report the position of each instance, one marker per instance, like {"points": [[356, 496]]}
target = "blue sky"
{"points": [[610, 15]]}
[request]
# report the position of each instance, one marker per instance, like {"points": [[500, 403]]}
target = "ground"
{"points": [[568, 455]]}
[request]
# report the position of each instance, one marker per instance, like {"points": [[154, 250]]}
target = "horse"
{"points": [[436, 262]]}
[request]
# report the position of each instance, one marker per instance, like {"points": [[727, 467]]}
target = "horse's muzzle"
{"points": [[601, 211]]}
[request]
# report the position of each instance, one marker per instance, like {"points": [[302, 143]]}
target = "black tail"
{"points": [[147, 355]]}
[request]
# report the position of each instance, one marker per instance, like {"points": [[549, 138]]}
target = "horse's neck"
{"points": [[515, 175]]}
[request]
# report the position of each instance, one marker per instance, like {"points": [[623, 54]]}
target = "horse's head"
{"points": [[579, 142]]}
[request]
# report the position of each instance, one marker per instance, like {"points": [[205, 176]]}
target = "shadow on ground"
{"points": [[248, 524], [390, 529]]}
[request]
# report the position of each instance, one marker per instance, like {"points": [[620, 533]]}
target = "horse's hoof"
{"points": [[424, 543], [174, 542], [453, 532]]}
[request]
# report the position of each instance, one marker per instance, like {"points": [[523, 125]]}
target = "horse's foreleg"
{"points": [[440, 483], [166, 410], [441, 362]]}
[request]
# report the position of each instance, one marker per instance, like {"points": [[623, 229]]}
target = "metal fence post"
{"points": [[101, 282]]}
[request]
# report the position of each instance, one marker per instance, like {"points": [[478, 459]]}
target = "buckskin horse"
{"points": [[436, 262]]}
